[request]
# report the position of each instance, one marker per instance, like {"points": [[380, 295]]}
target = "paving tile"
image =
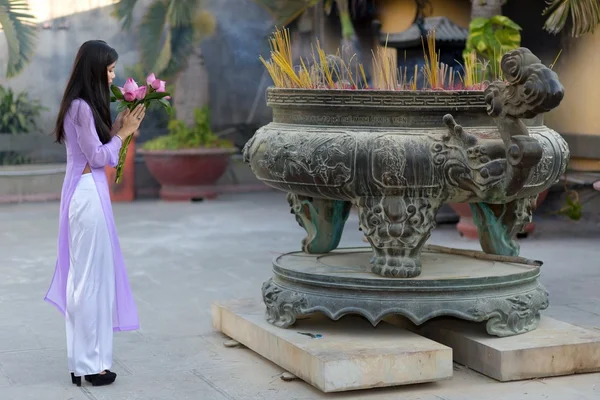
{"points": [[178, 354], [574, 316], [50, 332], [4, 380], [161, 385], [35, 366], [590, 306], [43, 392], [17, 338], [525, 392]]}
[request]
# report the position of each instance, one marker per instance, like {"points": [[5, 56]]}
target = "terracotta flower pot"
{"points": [[467, 228], [187, 174]]}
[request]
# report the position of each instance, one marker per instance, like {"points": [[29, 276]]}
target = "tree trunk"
{"points": [[486, 8], [191, 88]]}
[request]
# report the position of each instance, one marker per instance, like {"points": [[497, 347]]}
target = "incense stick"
{"points": [[483, 256], [334, 72]]}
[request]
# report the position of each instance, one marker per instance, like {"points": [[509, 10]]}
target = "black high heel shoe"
{"points": [[106, 378], [75, 380]]}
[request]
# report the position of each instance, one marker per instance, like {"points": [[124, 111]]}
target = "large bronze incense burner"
{"points": [[398, 156]]}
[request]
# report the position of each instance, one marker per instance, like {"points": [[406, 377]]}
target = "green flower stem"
{"points": [[122, 156], [123, 151]]}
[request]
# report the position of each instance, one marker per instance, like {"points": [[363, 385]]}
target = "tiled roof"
{"points": [[446, 31]]}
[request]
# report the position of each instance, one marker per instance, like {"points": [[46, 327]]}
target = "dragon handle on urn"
{"points": [[529, 89]]}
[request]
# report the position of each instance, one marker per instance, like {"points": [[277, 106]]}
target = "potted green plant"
{"points": [[189, 160]]}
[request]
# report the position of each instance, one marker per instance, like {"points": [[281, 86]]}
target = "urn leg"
{"points": [[499, 224], [397, 228], [322, 219]]}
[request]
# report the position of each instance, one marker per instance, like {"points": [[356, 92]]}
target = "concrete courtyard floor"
{"points": [[181, 257]]}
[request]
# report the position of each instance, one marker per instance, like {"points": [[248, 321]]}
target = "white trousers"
{"points": [[90, 284]]}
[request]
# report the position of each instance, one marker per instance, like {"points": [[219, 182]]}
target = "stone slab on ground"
{"points": [[555, 348], [349, 354]]}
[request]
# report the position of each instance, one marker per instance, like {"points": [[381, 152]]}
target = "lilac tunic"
{"points": [[84, 147]]}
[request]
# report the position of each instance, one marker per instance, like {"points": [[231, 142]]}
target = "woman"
{"points": [[90, 285]]}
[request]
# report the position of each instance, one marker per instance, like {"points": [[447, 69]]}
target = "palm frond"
{"points": [[181, 12], [164, 56], [360, 8], [343, 10], [328, 6], [585, 16], [189, 22], [123, 12], [20, 33], [342, 6], [151, 33], [355, 8], [182, 45], [285, 12]]}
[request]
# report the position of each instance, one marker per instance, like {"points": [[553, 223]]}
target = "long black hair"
{"points": [[89, 82]]}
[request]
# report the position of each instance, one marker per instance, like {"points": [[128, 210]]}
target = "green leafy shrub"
{"points": [[183, 137], [18, 112], [491, 38]]}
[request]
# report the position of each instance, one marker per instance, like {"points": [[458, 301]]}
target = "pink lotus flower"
{"points": [[597, 186], [129, 96], [151, 78], [141, 93], [131, 91], [157, 84], [161, 86]]}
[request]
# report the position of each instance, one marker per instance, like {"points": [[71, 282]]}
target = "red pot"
{"points": [[187, 174], [467, 228]]}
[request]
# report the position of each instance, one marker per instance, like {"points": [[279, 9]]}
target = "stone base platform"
{"points": [[555, 348], [508, 296], [350, 354], [337, 356]]}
